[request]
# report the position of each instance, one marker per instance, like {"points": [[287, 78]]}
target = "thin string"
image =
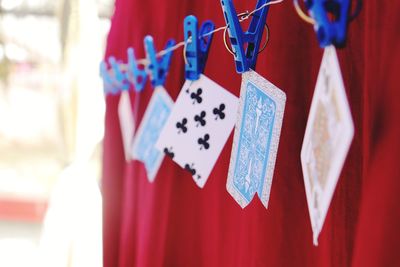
{"points": [[243, 16], [261, 7]]}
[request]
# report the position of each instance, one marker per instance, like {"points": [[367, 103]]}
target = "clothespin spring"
{"points": [[333, 9], [243, 16]]}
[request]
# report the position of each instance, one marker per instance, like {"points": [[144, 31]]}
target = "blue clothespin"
{"points": [[113, 83], [120, 76], [245, 60], [108, 83], [330, 31], [196, 50], [158, 68], [135, 75]]}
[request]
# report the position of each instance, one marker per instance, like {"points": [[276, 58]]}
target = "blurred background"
{"points": [[51, 127]]}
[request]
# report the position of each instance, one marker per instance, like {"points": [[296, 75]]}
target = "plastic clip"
{"points": [[108, 83], [331, 20], [116, 81], [245, 60], [136, 76], [196, 51], [157, 68]]}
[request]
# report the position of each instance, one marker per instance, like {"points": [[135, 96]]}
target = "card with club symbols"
{"points": [[256, 139], [154, 119], [327, 139], [126, 122], [199, 126]]}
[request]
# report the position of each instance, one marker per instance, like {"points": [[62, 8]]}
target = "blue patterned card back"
{"points": [[154, 119], [256, 139]]}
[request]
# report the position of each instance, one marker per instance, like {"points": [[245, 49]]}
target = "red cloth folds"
{"points": [[172, 222]]}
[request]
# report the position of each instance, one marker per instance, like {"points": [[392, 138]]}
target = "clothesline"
{"points": [[242, 17]]}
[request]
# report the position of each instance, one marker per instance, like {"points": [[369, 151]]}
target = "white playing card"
{"points": [[199, 126], [256, 139], [126, 122], [154, 119], [327, 139]]}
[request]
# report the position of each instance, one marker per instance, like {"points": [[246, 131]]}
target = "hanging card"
{"points": [[256, 139], [126, 122], [153, 121], [327, 139], [199, 126]]}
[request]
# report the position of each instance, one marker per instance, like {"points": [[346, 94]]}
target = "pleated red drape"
{"points": [[172, 222]]}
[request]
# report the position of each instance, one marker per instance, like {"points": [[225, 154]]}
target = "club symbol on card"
{"points": [[203, 142], [169, 153], [196, 96], [182, 126], [219, 112], [190, 168], [200, 119]]}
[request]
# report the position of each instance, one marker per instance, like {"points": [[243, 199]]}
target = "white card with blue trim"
{"points": [[154, 119], [256, 139], [327, 139], [199, 126], [126, 122]]}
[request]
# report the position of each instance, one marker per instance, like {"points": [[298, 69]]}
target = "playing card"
{"points": [[199, 126], [256, 139], [153, 121], [327, 139], [126, 122]]}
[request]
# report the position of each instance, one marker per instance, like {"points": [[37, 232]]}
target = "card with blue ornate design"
{"points": [[199, 126], [327, 140], [256, 139], [154, 119]]}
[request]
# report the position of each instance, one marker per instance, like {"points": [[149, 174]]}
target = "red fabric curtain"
{"points": [[172, 222]]}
